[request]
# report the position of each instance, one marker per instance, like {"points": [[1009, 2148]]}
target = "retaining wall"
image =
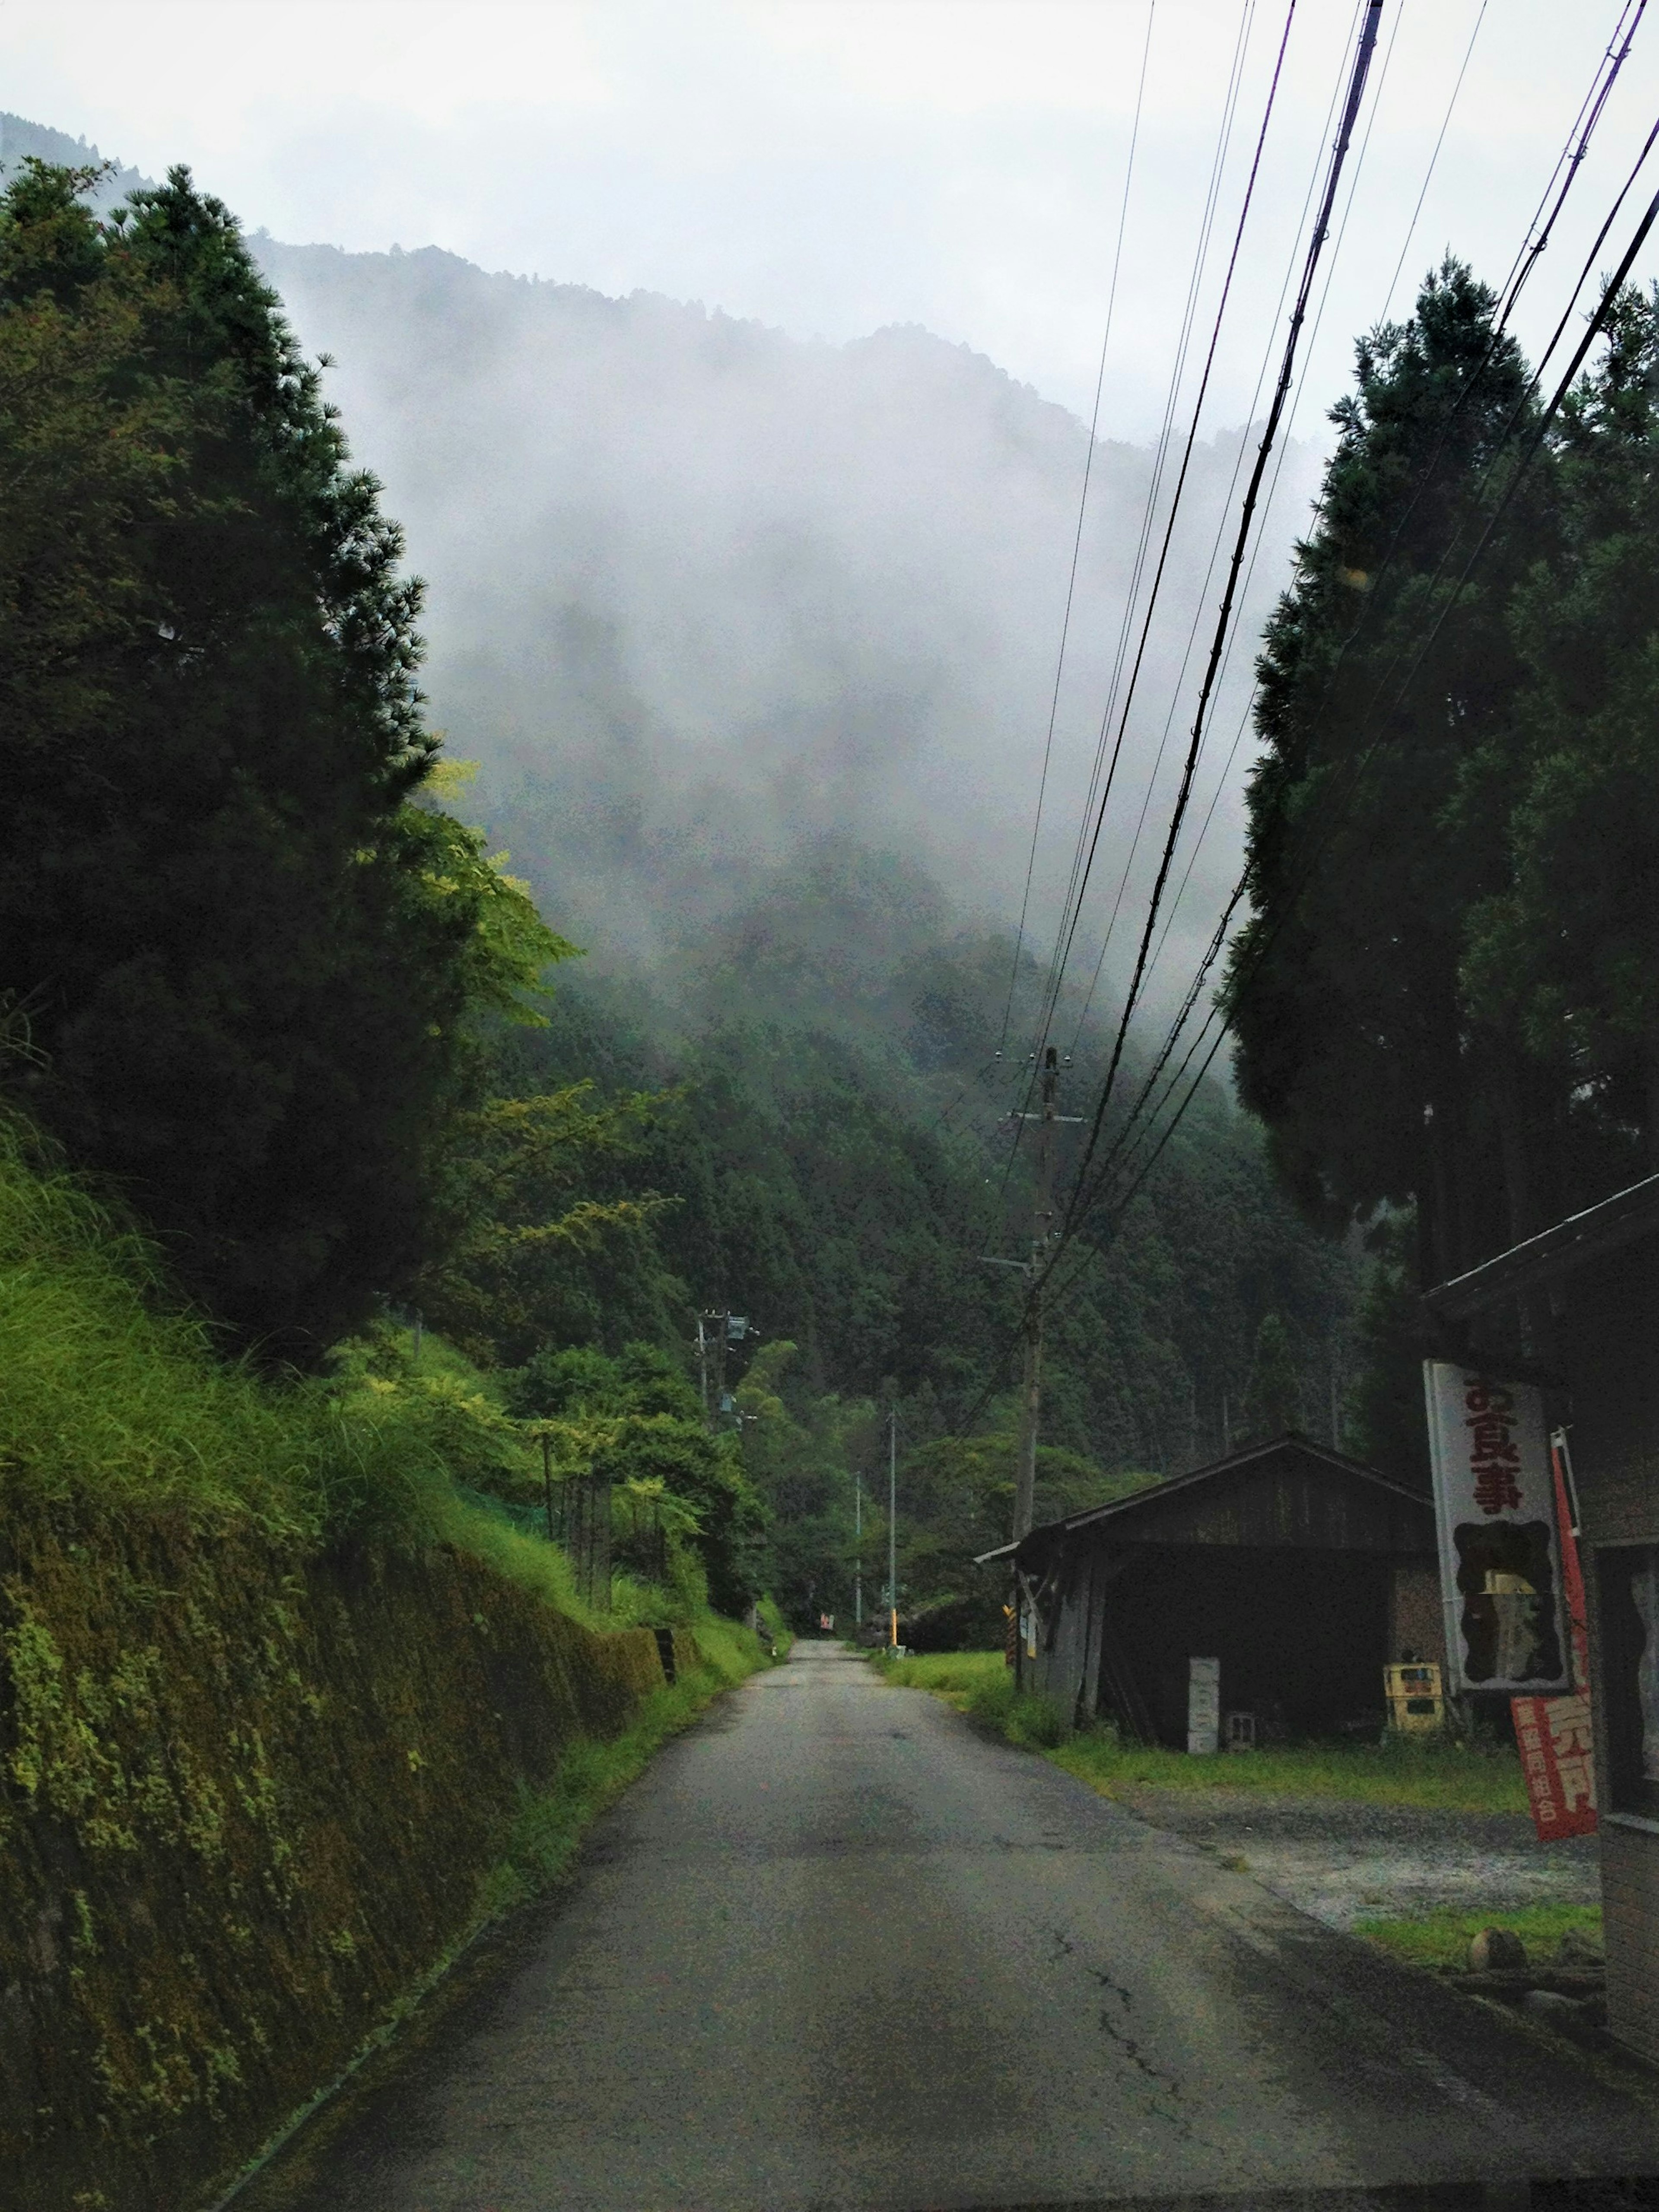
{"points": [[246, 1800]]}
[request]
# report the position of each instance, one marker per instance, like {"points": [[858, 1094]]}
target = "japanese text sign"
{"points": [[1500, 1554], [1553, 1736]]}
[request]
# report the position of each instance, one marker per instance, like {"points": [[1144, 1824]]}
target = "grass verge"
{"points": [[1443, 1773], [1442, 1939], [552, 1822], [543, 1842]]}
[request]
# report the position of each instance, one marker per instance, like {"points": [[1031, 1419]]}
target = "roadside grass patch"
{"points": [[1443, 1938], [1443, 1773], [551, 1823]]}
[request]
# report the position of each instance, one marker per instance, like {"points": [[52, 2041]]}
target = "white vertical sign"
{"points": [[1500, 1554], [1203, 1705]]}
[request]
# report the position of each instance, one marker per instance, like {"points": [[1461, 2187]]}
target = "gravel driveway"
{"points": [[1341, 1861]]}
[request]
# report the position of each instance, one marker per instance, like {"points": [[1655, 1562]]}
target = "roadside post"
{"points": [[892, 1526]]}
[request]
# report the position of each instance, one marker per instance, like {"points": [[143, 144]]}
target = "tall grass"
{"points": [[107, 1387], [1440, 1771], [552, 1822], [111, 1394]]}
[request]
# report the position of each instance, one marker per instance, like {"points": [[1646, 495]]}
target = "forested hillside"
{"points": [[263, 980]]}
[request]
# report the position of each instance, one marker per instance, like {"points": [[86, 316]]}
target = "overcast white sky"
{"points": [[831, 166]]}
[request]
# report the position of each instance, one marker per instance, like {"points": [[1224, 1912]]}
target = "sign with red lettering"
{"points": [[1558, 1758], [1500, 1551]]}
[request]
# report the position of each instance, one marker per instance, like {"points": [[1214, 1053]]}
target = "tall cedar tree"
{"points": [[1566, 954], [1354, 1045], [238, 956]]}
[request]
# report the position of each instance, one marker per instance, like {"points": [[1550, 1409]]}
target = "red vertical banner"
{"points": [[1572, 1572], [1554, 1735]]}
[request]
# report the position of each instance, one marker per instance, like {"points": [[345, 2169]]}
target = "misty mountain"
{"points": [[703, 595], [705, 599], [19, 138]]}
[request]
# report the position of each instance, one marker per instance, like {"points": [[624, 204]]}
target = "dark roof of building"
{"points": [[1623, 1219], [1151, 1502]]}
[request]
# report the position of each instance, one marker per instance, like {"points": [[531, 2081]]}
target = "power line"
{"points": [[1589, 114], [1149, 510], [1596, 322], [1199, 259], [1075, 898], [1215, 555], [1087, 1195], [1339, 155], [1428, 176], [1463, 397], [1077, 541]]}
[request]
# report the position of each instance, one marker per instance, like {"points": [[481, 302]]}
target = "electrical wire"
{"points": [[1428, 178], [1223, 618], [1162, 447], [1463, 397], [1215, 555], [1077, 540], [1069, 929], [1201, 257], [1590, 115], [1596, 321], [1539, 432]]}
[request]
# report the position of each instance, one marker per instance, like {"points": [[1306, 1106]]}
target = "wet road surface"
{"points": [[836, 1948]]}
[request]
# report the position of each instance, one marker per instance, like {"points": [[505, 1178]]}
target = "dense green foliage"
{"points": [[262, 985], [1446, 998], [636, 1422], [837, 1169], [240, 957]]}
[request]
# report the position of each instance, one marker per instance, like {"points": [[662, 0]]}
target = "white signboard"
{"points": [[1500, 1554], [1203, 1705]]}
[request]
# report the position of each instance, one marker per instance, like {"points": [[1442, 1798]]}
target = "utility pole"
{"points": [[858, 1551], [1034, 1269], [892, 1524], [722, 1334], [714, 1332]]}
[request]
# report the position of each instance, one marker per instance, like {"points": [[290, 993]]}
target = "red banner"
{"points": [[1554, 1734], [1558, 1753]]}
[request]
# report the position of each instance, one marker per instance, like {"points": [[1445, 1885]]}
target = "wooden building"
{"points": [[1578, 1308], [1303, 1571]]}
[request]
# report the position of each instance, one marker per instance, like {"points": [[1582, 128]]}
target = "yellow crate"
{"points": [[1416, 1704]]}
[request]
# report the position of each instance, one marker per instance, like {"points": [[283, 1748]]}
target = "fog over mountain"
{"points": [[705, 598], [702, 594]]}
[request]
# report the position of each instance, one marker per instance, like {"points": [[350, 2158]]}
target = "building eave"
{"points": [[1155, 1493], [1623, 1219]]}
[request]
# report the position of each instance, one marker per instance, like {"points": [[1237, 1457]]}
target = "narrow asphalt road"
{"points": [[837, 1949]]}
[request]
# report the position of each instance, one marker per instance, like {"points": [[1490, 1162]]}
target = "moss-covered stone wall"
{"points": [[246, 1801]]}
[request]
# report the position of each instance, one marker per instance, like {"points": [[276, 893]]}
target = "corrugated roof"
{"points": [[1155, 1493]]}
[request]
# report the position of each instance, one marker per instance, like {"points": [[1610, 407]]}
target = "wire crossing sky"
{"points": [[833, 165]]}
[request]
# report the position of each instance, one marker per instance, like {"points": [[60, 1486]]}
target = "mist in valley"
{"points": [[721, 612]]}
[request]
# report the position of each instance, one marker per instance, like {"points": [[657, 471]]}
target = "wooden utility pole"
{"points": [[892, 1524], [702, 1365], [858, 1551], [1034, 1269], [714, 1331]]}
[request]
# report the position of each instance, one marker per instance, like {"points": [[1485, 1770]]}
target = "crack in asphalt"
{"points": [[1163, 2083]]}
